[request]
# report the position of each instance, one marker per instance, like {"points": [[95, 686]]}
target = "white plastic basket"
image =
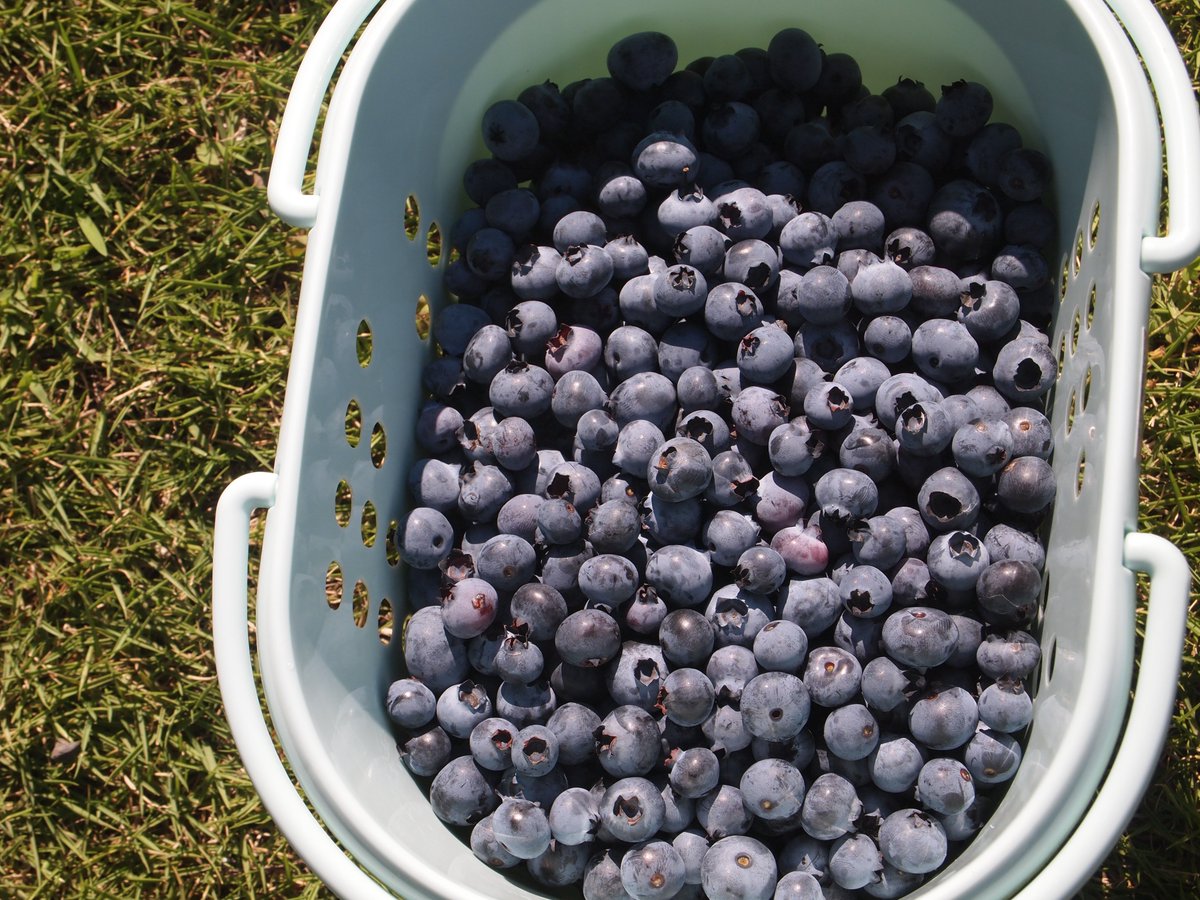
{"points": [[404, 121]]}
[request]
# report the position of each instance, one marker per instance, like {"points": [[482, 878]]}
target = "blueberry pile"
{"points": [[724, 547]]}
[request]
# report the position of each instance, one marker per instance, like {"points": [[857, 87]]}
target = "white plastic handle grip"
{"points": [[231, 558], [1145, 731], [285, 185], [1181, 135]]}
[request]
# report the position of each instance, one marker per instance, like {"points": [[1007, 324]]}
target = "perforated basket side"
{"points": [[393, 132]]}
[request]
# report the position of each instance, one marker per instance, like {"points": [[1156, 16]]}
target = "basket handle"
{"points": [[1145, 730], [1181, 135], [285, 185], [243, 709]]}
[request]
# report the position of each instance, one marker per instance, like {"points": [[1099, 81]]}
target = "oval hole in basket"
{"points": [[353, 423], [333, 585], [1080, 472], [422, 318], [412, 217], [361, 603], [1076, 330], [390, 549], [378, 445], [1062, 281], [364, 344], [385, 621], [1062, 354], [1049, 656], [1090, 316], [342, 499], [1071, 412], [368, 524], [1077, 259], [1094, 231], [433, 244], [1086, 393]]}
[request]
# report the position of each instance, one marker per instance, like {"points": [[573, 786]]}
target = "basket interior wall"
{"points": [[414, 130]]}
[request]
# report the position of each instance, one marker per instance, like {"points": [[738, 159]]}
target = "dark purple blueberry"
{"points": [[608, 580], [410, 703], [1005, 706], [943, 719], [809, 145], [965, 220], [1024, 174], [643, 60], [574, 725], [426, 754], [588, 638], [992, 757], [871, 150], [489, 850], [833, 185], [686, 637], [870, 451], [510, 130], [683, 346], [809, 240], [936, 291], [1025, 370], [1026, 485], [764, 355], [903, 193], [632, 809], [830, 346], [948, 500], [461, 794], [665, 160], [1008, 654], [919, 637], [912, 841], [831, 807], [515, 211]]}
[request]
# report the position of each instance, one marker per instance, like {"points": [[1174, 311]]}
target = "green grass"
{"points": [[146, 314]]}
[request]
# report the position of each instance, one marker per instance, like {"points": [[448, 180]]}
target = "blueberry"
{"points": [[854, 861], [737, 616], [988, 309], [757, 411], [643, 60], [636, 676], [832, 676], [1026, 485], [1031, 432], [686, 637], [982, 448], [632, 809], [1023, 174], [851, 732], [666, 522], [831, 807], [912, 841], [895, 763], [878, 541], [461, 794], [652, 870], [772, 789], [948, 500], [722, 812], [426, 538], [944, 350], [798, 886], [1005, 705], [695, 772], [686, 696], [426, 754], [945, 786], [665, 160], [608, 579], [489, 850], [491, 742], [992, 757], [781, 646], [431, 654], [627, 741], [510, 130], [965, 219], [809, 240], [920, 637], [944, 719], [775, 705], [410, 704], [1011, 654], [956, 560], [828, 405], [521, 827]]}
